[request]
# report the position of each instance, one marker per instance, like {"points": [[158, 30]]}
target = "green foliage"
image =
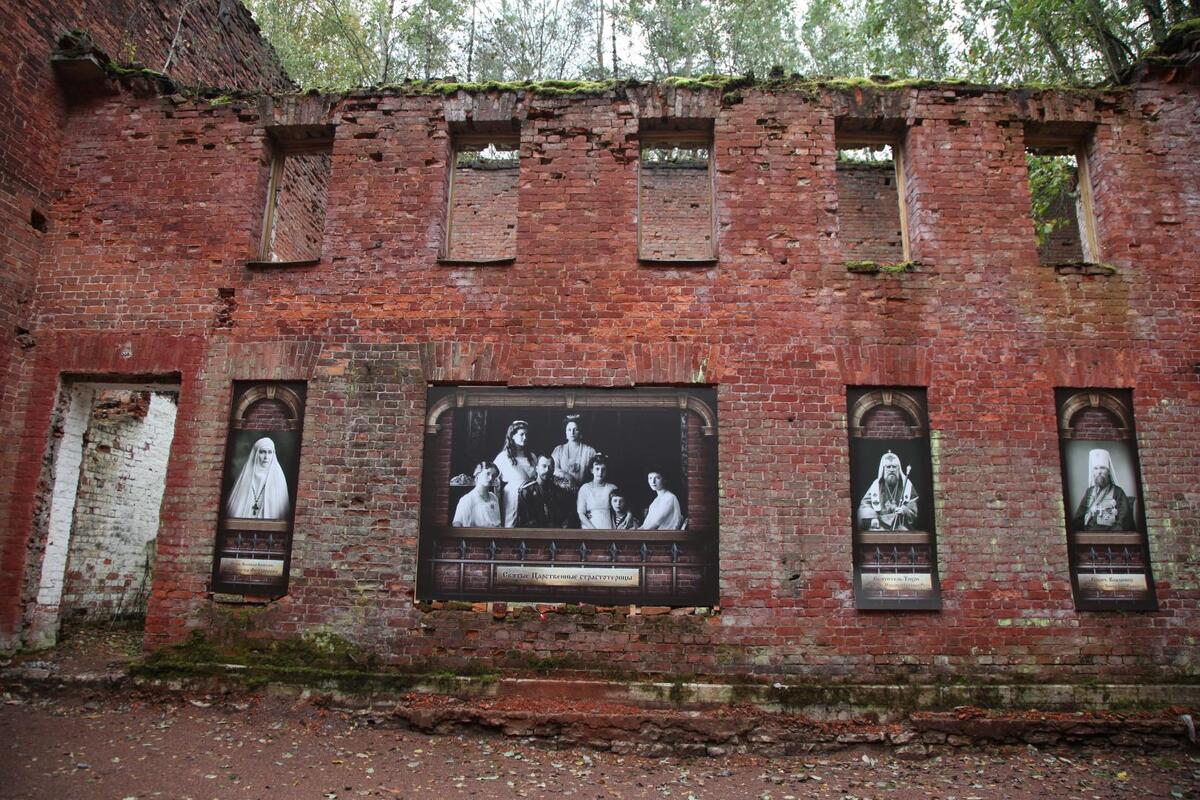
{"points": [[1053, 182], [343, 43], [874, 267]]}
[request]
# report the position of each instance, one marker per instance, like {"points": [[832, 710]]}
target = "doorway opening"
{"points": [[103, 480]]}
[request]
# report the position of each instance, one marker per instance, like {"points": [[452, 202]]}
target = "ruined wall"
{"points": [[676, 212], [869, 212], [484, 213], [1063, 243], [218, 45], [299, 217], [115, 522], [778, 325]]}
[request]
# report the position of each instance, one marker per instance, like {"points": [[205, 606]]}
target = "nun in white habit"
{"points": [[261, 490]]}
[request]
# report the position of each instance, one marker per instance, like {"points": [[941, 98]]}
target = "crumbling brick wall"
{"points": [[676, 212], [869, 212], [219, 44], [115, 522], [299, 213], [778, 326], [484, 212]]}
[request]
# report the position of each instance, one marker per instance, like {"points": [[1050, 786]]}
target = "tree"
{"points": [[535, 40], [340, 43], [831, 34]]}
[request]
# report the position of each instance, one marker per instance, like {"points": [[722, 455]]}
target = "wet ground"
{"points": [[271, 747]]}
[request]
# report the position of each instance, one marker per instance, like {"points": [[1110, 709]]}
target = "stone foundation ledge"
{"points": [[658, 718]]}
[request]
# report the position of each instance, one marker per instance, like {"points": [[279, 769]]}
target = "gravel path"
{"points": [[266, 747]]}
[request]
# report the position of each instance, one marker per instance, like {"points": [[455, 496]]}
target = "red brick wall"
{"points": [[484, 213], [298, 224], [676, 212], [778, 326], [869, 212], [219, 45], [1063, 243]]}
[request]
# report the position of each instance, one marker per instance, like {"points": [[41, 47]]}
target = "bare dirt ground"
{"points": [[269, 747]]}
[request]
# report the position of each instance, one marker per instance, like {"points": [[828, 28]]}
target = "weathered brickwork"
{"points": [[676, 212], [869, 212], [483, 213], [778, 325], [218, 44]]}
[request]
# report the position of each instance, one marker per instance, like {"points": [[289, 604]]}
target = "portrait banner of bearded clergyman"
{"points": [[261, 489], [1104, 506], [890, 503]]}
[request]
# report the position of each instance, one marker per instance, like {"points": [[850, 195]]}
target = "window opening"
{"points": [[104, 478], [297, 195], [675, 196], [1061, 202], [484, 186], [872, 217]]}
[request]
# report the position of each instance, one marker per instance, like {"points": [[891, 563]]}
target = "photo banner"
{"points": [[892, 502], [1107, 546], [258, 492], [570, 495]]}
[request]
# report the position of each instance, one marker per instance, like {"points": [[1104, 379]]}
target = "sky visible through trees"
{"points": [[343, 43]]}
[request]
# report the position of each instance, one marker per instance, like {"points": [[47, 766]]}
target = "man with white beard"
{"points": [[1105, 506], [890, 504]]}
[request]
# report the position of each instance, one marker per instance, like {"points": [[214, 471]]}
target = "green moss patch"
{"points": [[875, 267]]}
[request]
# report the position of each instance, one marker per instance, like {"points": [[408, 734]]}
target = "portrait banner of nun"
{"points": [[261, 490], [258, 497]]}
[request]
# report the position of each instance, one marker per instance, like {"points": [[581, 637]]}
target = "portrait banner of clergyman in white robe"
{"points": [[890, 504], [261, 490]]}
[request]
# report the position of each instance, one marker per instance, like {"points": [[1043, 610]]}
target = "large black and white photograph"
{"points": [[891, 486], [1106, 535], [615, 474], [258, 492], [262, 489], [569, 470]]}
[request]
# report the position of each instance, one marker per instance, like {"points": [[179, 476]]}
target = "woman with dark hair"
{"points": [[517, 465], [572, 458], [593, 504]]}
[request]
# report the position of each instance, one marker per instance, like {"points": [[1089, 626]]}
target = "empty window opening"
{"points": [[103, 485], [1060, 203], [675, 196], [37, 220], [871, 216], [484, 182], [301, 162]]}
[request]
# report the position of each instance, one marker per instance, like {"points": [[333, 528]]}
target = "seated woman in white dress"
{"points": [[479, 508], [593, 501], [664, 513], [261, 490], [517, 466]]}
